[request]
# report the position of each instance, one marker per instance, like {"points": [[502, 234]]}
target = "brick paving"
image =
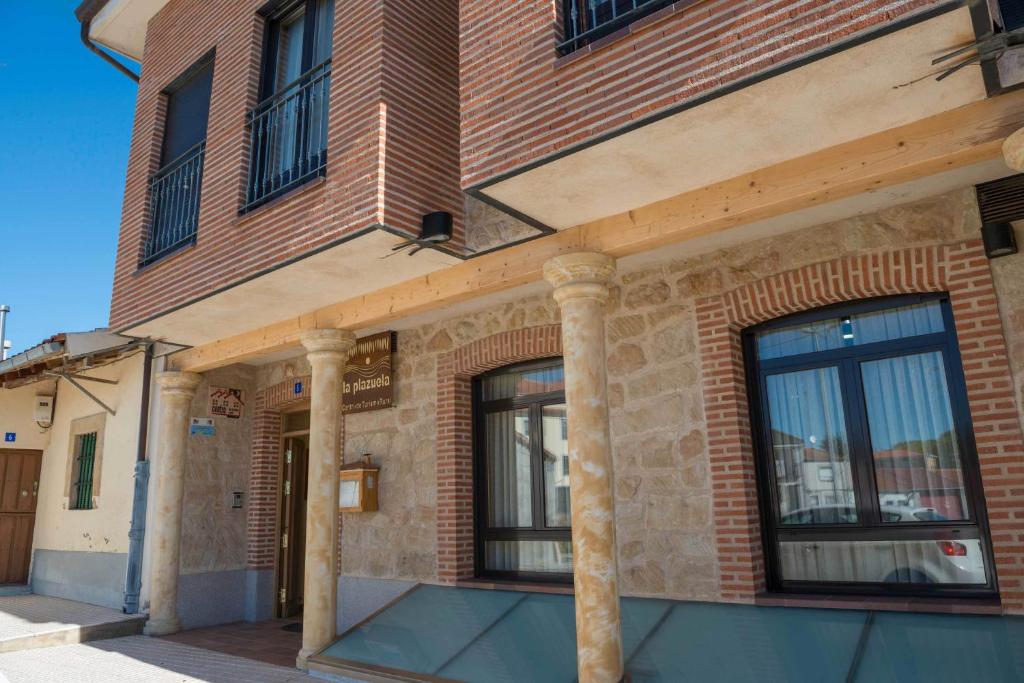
{"points": [[264, 641], [28, 621], [138, 659]]}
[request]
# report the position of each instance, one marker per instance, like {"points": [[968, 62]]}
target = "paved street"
{"points": [[136, 659], [29, 621]]}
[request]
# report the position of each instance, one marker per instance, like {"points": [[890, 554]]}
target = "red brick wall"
{"points": [[521, 102], [265, 470], [455, 372], [961, 270], [391, 142]]}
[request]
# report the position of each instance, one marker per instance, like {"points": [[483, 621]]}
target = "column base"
{"points": [[302, 660], [161, 627]]}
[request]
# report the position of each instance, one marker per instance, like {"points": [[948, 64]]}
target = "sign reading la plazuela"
{"points": [[367, 382]]}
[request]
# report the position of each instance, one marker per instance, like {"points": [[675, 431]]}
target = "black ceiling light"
{"points": [[998, 238], [435, 228]]}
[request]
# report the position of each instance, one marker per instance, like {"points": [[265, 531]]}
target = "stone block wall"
{"points": [[668, 496]]}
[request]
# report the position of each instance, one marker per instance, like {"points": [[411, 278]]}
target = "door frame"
{"points": [[279, 569]]}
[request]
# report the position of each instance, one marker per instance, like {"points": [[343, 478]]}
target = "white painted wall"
{"points": [[105, 528], [16, 411]]}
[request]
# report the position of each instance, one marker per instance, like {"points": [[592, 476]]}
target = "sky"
{"points": [[65, 126]]}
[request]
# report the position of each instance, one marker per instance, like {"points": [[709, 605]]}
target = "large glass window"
{"points": [[522, 473], [868, 470]]}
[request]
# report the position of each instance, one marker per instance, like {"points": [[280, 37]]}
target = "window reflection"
{"points": [[814, 481], [556, 466], [916, 454]]}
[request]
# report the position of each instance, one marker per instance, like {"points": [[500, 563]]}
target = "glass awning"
{"points": [[464, 634]]}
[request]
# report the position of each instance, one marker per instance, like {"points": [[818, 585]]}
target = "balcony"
{"points": [[288, 137], [174, 204], [588, 20]]}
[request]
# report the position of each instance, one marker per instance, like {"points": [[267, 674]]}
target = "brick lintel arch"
{"points": [[963, 271], [455, 372]]}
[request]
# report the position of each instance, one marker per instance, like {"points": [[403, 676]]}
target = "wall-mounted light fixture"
{"points": [[999, 239], [435, 228]]}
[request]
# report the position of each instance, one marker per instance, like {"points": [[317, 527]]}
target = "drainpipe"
{"points": [[86, 12], [137, 529]]}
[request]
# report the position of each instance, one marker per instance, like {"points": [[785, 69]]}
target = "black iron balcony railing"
{"points": [[588, 20], [174, 204], [288, 137]]}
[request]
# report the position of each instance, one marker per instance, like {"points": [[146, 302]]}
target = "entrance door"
{"points": [[19, 486], [291, 559]]}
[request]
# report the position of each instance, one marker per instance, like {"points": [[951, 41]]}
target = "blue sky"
{"points": [[65, 125]]}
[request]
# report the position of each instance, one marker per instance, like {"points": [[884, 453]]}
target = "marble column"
{"points": [[176, 392], [327, 350], [1013, 151], [581, 290]]}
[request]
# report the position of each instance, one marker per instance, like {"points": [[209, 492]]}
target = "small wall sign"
{"points": [[367, 382], [203, 426], [298, 388], [225, 402], [10, 437]]}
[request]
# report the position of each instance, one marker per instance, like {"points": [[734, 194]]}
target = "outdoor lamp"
{"points": [[436, 227], [999, 239]]}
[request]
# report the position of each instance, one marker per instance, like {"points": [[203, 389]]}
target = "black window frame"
{"points": [[270, 91], [539, 531], [847, 361], [177, 175], [582, 31]]}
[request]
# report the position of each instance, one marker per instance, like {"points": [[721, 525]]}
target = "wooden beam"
{"points": [[961, 137]]}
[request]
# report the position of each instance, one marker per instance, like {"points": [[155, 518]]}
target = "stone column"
{"points": [[1013, 151], [328, 350], [176, 392], [581, 290]]}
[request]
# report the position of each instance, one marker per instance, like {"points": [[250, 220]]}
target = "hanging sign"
{"points": [[367, 382], [225, 402]]}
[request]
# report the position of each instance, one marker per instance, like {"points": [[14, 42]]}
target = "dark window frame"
{"points": [[172, 170], [539, 531], [83, 471], [270, 92], [847, 361], [584, 30]]}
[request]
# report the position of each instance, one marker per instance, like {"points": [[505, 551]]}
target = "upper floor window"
{"points": [[288, 130], [588, 20], [868, 470], [522, 481], [175, 188]]}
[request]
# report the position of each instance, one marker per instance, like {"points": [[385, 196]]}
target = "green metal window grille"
{"points": [[81, 492]]}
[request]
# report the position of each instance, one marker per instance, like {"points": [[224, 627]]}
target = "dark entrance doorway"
{"points": [[292, 547], [19, 484]]}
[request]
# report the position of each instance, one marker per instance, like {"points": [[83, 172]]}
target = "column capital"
{"points": [[328, 341], [584, 274], [1013, 151], [174, 383]]}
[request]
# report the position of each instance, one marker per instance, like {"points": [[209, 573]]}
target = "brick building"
{"points": [[671, 285]]}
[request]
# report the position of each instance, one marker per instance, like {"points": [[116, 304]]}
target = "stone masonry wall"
{"points": [[664, 503]]}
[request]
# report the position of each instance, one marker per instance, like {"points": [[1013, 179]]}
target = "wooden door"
{"points": [[19, 488], [291, 564]]}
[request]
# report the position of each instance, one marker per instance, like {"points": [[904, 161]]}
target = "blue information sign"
{"points": [[298, 388], [10, 436]]}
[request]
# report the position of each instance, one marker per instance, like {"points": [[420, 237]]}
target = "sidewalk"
{"points": [[34, 621], [138, 659]]}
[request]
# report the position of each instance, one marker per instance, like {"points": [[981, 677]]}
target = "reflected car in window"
{"points": [[945, 561]]}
